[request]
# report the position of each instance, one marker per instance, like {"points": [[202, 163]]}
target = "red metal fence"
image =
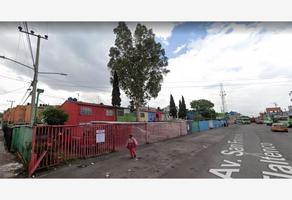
{"points": [[52, 145]]}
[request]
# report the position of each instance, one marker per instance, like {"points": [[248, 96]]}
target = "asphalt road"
{"points": [[237, 151]]}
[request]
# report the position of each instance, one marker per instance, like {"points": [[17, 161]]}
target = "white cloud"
{"points": [[212, 60], [178, 49], [162, 30]]}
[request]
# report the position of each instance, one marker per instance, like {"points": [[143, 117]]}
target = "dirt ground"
{"points": [[9, 166]]}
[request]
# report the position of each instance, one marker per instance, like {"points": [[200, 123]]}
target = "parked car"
{"points": [[279, 127], [259, 121]]}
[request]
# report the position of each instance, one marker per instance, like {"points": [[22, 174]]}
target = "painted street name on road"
{"points": [[276, 162], [229, 167]]}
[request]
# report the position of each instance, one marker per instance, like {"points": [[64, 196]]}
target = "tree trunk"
{"points": [[137, 112]]}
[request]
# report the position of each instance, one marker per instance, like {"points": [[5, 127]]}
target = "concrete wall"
{"points": [[157, 131]]}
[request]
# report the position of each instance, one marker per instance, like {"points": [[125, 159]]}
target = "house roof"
{"points": [[89, 104], [275, 109], [145, 109]]}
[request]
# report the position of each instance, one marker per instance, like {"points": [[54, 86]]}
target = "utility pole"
{"points": [[10, 112], [39, 91], [223, 94], [35, 77], [35, 69]]}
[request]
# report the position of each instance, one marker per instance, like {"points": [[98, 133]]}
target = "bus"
{"points": [[282, 119], [244, 120]]}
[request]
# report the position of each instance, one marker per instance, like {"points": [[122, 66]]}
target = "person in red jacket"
{"points": [[131, 145]]}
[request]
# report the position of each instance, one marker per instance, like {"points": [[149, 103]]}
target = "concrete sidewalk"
{"points": [[154, 160], [9, 166]]}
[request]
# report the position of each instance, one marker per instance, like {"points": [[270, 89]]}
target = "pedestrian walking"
{"points": [[131, 145]]}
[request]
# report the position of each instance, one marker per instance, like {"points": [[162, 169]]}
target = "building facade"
{"points": [[82, 112]]}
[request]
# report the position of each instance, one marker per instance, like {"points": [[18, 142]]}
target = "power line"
{"points": [[18, 45], [28, 89], [14, 78], [220, 81], [29, 42], [26, 99], [42, 101], [230, 84], [11, 91]]}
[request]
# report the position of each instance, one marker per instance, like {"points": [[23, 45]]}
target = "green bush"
{"points": [[54, 116]]}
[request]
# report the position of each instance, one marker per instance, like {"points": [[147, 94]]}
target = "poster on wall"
{"points": [[100, 136]]}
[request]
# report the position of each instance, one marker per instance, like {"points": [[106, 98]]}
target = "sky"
{"points": [[252, 60]]}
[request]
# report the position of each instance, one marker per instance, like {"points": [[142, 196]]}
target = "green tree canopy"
{"points": [[116, 99], [172, 108], [204, 108], [139, 61], [54, 116], [132, 106], [184, 108], [180, 109]]}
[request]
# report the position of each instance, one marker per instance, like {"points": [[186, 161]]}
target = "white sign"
{"points": [[100, 136]]}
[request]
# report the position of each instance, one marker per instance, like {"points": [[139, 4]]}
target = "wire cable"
{"points": [[11, 91], [26, 99], [28, 89], [7, 77], [29, 42]]}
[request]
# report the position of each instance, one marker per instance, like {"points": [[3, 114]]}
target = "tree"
{"points": [[54, 116], [179, 109], [172, 108], [139, 61], [116, 99], [204, 108], [131, 106], [184, 108]]}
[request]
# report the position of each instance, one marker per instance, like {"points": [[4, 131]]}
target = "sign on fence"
{"points": [[100, 136]]}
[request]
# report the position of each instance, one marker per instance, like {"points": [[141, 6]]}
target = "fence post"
{"points": [[33, 157]]}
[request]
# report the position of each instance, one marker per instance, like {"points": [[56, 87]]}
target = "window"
{"points": [[142, 115], [85, 111], [109, 112]]}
